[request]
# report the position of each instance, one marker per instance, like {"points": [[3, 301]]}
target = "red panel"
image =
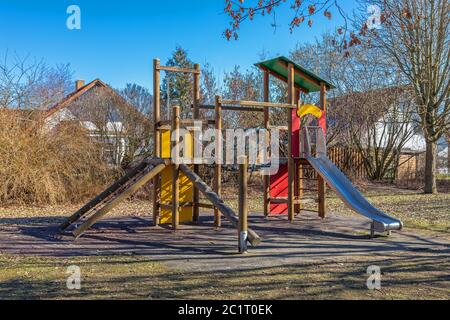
{"points": [[295, 134], [279, 189], [279, 182], [323, 123]]}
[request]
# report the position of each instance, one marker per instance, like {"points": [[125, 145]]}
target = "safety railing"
{"points": [[313, 142]]}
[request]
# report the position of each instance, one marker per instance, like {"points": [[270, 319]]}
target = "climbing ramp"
{"points": [[122, 189]]}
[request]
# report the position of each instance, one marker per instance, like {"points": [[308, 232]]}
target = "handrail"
{"points": [[176, 69], [305, 143], [320, 141], [231, 108], [258, 104]]}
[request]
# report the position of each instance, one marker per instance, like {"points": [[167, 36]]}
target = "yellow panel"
{"points": [[186, 186], [309, 109], [165, 144]]}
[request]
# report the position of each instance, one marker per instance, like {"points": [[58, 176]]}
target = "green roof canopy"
{"points": [[305, 79]]}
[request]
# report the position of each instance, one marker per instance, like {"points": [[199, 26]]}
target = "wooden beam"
{"points": [[206, 206], [108, 192], [321, 182], [243, 205], [103, 196], [185, 122], [166, 206], [297, 166], [281, 128], [291, 98], [123, 196], [179, 70], [296, 201], [261, 104], [266, 182], [233, 108], [300, 73], [323, 96], [283, 79], [156, 139], [196, 102], [175, 148], [228, 213], [218, 165]]}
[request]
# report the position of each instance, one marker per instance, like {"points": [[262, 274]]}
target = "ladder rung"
{"points": [[165, 206], [281, 128], [296, 201], [307, 189]]}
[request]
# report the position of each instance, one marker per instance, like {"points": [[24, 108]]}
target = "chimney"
{"points": [[79, 84]]}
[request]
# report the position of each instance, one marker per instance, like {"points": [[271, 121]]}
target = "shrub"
{"points": [[42, 167]]}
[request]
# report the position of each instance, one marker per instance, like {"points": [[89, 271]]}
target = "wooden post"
{"points": [[267, 155], [196, 100], [298, 167], [320, 180], [228, 213], [291, 100], [218, 166], [156, 138], [243, 205], [175, 167]]}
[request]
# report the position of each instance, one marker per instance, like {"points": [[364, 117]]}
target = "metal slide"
{"points": [[352, 197]]}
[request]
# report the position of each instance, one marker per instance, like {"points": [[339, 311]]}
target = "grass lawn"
{"points": [[415, 209], [140, 278]]}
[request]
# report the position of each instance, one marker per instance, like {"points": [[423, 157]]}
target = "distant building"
{"points": [[383, 105], [105, 114]]}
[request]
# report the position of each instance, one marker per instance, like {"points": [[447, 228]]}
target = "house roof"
{"points": [[74, 96], [68, 100], [304, 79], [388, 94]]}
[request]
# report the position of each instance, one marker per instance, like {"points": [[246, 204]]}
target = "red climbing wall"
{"points": [[279, 181]]}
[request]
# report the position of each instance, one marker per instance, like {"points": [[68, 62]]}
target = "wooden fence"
{"points": [[350, 161]]}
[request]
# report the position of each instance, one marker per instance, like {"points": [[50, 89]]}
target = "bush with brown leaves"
{"points": [[42, 167]]}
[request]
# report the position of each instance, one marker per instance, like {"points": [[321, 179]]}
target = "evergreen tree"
{"points": [[177, 88]]}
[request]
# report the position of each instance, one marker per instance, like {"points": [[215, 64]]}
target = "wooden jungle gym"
{"points": [[177, 187]]}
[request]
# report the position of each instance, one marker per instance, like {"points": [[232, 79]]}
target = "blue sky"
{"points": [[119, 39]]}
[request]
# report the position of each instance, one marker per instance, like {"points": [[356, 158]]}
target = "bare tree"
{"points": [[122, 129], [28, 83], [302, 12], [209, 85], [370, 109], [415, 34], [242, 86], [380, 125]]}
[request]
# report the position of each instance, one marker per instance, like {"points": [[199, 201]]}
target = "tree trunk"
{"points": [[448, 154], [430, 169]]}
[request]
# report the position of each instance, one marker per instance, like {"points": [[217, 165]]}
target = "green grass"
{"points": [[415, 209], [421, 276], [431, 212], [140, 278]]}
